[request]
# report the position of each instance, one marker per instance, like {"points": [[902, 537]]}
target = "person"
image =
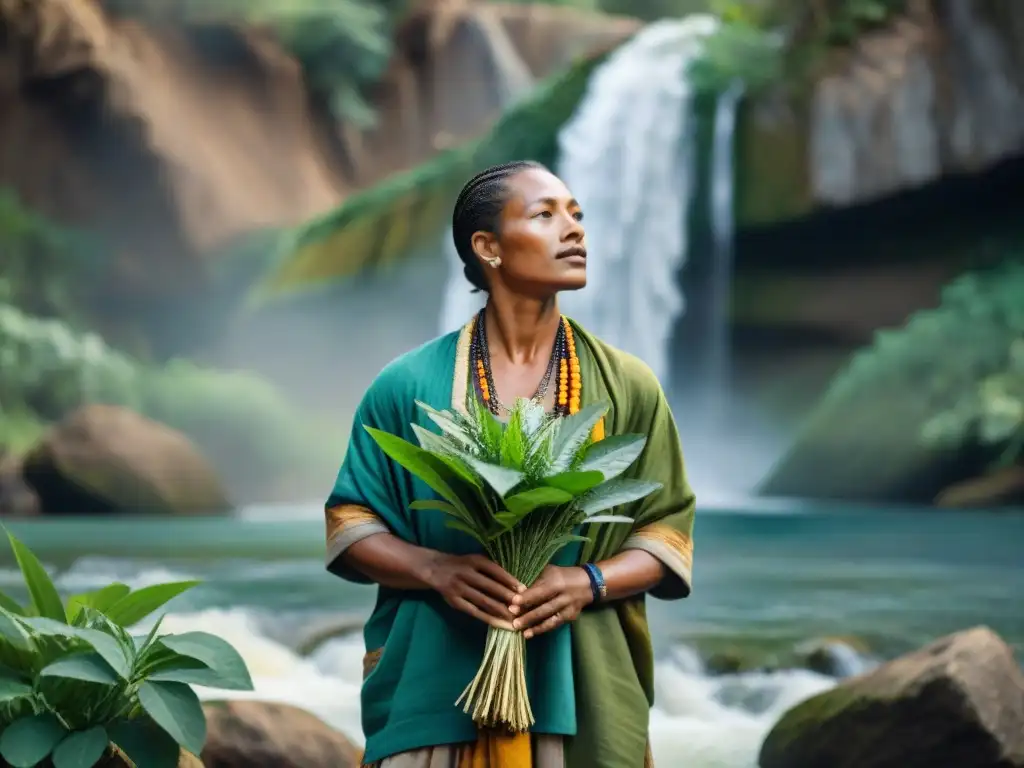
{"points": [[520, 234]]}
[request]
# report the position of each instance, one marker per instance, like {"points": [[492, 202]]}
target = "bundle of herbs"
{"points": [[522, 489]]}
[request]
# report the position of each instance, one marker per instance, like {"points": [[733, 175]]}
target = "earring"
{"points": [[495, 262]]}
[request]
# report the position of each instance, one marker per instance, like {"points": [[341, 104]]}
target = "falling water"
{"points": [[629, 154], [718, 376]]}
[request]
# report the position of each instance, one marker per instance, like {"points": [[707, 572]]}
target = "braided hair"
{"points": [[478, 209]]}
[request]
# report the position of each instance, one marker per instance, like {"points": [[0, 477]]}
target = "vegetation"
{"points": [[75, 684], [246, 427], [950, 378]]}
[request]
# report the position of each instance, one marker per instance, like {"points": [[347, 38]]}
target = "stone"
{"points": [[105, 460], [958, 702], [258, 734], [1004, 487], [17, 499]]}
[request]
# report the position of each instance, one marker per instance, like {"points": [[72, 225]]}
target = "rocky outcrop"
{"points": [[17, 499], [104, 459], [958, 701], [167, 141], [1003, 487], [256, 734], [938, 91]]}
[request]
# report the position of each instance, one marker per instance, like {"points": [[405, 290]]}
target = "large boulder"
{"points": [[957, 702], [17, 499], [257, 734], [106, 459]]}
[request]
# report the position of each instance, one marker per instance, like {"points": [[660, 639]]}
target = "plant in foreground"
{"points": [[75, 683], [521, 489]]}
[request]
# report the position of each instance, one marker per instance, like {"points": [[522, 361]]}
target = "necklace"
{"points": [[480, 359]]}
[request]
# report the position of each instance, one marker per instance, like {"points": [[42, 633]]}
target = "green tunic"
{"points": [[593, 680]]}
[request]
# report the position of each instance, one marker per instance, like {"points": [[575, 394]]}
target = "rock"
{"points": [[17, 499], [834, 656], [957, 702], [106, 459], [1004, 487], [257, 734], [324, 631]]}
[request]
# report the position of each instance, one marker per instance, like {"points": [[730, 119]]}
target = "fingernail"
{"points": [[513, 609], [528, 634], [515, 625], [521, 588]]}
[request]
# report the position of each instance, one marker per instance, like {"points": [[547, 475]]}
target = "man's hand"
{"points": [[556, 598], [477, 586]]}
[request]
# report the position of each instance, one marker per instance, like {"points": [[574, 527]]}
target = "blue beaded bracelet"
{"points": [[597, 584]]}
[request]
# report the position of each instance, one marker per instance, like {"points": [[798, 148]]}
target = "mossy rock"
{"points": [[864, 440]]}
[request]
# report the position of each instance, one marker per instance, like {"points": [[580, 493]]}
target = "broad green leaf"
{"points": [[621, 490], [458, 525], [215, 653], [502, 480], [100, 599], [576, 483], [30, 740], [573, 432], [429, 441], [82, 666], [10, 605], [521, 504], [613, 455], [82, 749], [13, 632], [145, 743], [181, 669], [137, 605], [12, 686], [451, 424], [105, 645], [436, 504], [428, 468], [176, 709], [45, 599]]}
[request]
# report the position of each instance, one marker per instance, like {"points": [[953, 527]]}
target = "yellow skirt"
{"points": [[492, 750]]}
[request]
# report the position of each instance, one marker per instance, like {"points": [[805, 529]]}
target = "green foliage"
{"points": [[241, 422], [47, 270], [74, 682], [886, 424], [521, 487], [743, 48]]}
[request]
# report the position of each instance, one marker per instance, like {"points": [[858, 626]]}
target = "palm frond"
{"points": [[409, 212]]}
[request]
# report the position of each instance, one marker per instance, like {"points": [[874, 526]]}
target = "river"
{"points": [[768, 578]]}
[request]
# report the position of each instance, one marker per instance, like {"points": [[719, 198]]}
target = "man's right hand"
{"points": [[475, 585]]}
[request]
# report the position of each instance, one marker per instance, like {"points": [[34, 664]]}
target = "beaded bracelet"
{"points": [[597, 584]]}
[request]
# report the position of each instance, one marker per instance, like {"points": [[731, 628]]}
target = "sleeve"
{"points": [[664, 520], [367, 497]]}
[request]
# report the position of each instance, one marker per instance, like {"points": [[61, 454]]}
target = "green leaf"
{"points": [[105, 645], [82, 749], [176, 709], [12, 686], [428, 468], [576, 483], [30, 740], [9, 605], [82, 666], [435, 504], [12, 631], [134, 607], [613, 455], [101, 599], [45, 599], [450, 424], [609, 519], [573, 432], [621, 490], [522, 504], [501, 479], [145, 743], [217, 654], [458, 525]]}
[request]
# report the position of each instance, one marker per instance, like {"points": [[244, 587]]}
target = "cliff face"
{"points": [[936, 93], [166, 141]]}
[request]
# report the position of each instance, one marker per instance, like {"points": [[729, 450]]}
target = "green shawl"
{"points": [[593, 681]]}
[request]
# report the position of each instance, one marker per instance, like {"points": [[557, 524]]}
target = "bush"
{"points": [[907, 416], [74, 683], [241, 422]]}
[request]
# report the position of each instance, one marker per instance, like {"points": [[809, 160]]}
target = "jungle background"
{"points": [[220, 218]]}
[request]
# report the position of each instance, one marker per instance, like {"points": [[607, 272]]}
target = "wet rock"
{"points": [[1004, 487], [256, 734], [957, 702], [106, 460], [834, 656], [17, 499]]}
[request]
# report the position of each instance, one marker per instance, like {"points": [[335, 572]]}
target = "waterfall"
{"points": [[718, 374], [628, 154]]}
